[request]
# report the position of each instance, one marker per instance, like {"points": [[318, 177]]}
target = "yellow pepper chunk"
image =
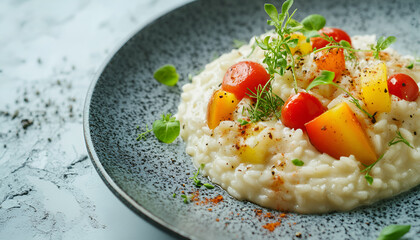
{"points": [[254, 154], [220, 108], [375, 89], [303, 47]]}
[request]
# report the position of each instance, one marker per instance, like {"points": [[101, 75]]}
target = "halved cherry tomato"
{"points": [[300, 109], [243, 76], [403, 86], [336, 33], [331, 60]]}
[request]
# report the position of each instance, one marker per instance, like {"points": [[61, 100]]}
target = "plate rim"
{"points": [[109, 182]]}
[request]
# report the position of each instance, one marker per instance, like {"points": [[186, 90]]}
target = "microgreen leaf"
{"points": [[272, 12], [286, 7], [243, 122], [368, 177], [313, 22], [197, 182], [393, 232], [166, 75], [166, 129], [143, 134], [325, 78], [410, 66], [208, 186], [186, 198], [382, 44], [399, 138], [297, 162]]}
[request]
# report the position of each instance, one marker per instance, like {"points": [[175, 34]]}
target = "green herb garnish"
{"points": [[327, 78], [410, 66], [297, 162], [197, 182], [382, 44], [393, 232], [368, 177], [186, 198], [243, 122], [267, 103], [399, 138], [166, 129], [166, 75], [277, 50], [143, 134]]}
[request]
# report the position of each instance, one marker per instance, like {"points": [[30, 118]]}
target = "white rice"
{"points": [[323, 184]]}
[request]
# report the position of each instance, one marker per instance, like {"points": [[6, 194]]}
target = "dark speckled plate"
{"points": [[144, 175]]}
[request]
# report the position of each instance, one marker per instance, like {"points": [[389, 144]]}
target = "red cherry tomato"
{"points": [[336, 33], [243, 76], [403, 86], [300, 109]]}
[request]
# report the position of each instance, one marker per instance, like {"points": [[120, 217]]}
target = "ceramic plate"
{"points": [[145, 174]]}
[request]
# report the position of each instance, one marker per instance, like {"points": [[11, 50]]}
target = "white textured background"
{"points": [[49, 52]]}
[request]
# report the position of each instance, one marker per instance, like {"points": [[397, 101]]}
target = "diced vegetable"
{"points": [[244, 76], [254, 154], [300, 109], [336, 33], [303, 47], [220, 108], [375, 89], [331, 60], [337, 132], [403, 86]]}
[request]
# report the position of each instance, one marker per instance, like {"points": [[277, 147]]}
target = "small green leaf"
{"points": [[166, 75], [310, 34], [369, 179], [243, 122], [271, 10], [325, 78], [297, 162], [393, 232], [314, 22], [286, 6], [385, 43], [208, 186], [410, 66], [166, 129], [344, 43]]}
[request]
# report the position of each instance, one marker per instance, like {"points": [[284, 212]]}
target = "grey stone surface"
{"points": [[49, 52]]}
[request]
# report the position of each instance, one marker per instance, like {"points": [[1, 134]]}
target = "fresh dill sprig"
{"points": [[267, 104], [368, 177], [399, 138]]}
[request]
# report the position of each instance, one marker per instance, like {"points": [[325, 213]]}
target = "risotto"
{"points": [[284, 167]]}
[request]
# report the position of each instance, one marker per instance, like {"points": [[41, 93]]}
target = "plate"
{"points": [[145, 174]]}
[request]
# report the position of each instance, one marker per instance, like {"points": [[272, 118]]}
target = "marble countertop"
{"points": [[49, 52]]}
